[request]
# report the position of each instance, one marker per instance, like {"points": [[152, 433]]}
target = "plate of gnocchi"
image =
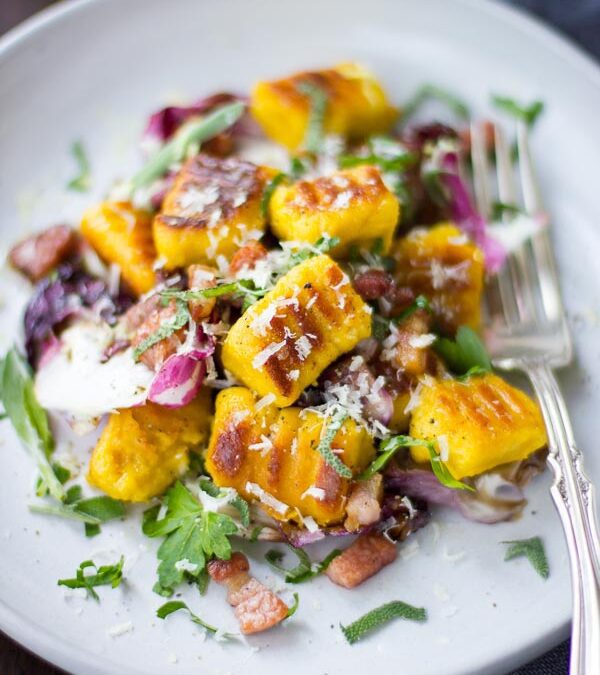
{"points": [[248, 416]]}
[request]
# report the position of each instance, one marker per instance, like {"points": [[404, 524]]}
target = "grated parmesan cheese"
{"points": [[443, 447], [185, 565], [263, 356], [266, 400], [310, 523], [293, 375], [303, 347], [266, 498], [422, 341], [314, 492], [120, 629]]}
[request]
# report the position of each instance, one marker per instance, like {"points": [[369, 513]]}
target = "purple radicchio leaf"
{"points": [[180, 377], [67, 292], [444, 166]]}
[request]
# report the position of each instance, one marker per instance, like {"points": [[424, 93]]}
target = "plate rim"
{"points": [[59, 651]]}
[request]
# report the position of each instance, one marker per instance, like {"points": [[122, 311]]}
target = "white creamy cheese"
{"points": [[76, 381]]}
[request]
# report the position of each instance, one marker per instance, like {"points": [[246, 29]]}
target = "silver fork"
{"points": [[529, 332]]}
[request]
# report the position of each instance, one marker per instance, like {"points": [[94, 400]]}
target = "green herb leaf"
{"points": [[499, 209], [305, 569], [299, 166], [28, 417], [237, 501], [268, 193], [315, 131], [93, 511], [432, 92], [81, 182], [174, 606], [91, 530], [376, 617], [527, 113], [475, 371], [63, 475], [420, 302], [167, 329], [294, 606], [533, 550], [191, 133], [465, 352], [442, 472], [256, 532], [324, 448], [193, 536], [107, 575]]}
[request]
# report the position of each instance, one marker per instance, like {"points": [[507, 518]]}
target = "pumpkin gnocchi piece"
{"points": [[270, 454], [122, 235], [441, 264], [357, 105], [143, 450], [213, 208], [282, 343], [477, 424], [353, 205]]}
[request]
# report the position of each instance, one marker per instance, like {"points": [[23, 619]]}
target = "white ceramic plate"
{"points": [[94, 70]]}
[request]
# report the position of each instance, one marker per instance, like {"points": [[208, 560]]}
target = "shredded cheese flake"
{"points": [[266, 498], [263, 356]]}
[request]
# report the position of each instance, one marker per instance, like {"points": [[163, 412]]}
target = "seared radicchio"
{"points": [[60, 296]]}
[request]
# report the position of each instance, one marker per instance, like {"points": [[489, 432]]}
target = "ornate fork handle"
{"points": [[574, 497]]}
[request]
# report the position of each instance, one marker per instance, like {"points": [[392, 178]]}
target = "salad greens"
{"points": [[396, 609], [106, 575], [192, 537], [533, 549]]}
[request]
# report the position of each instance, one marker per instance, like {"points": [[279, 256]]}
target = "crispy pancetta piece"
{"points": [[361, 560]]}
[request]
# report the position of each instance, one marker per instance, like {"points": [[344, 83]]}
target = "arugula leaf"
{"points": [[324, 448], [175, 605], [376, 617], [527, 113], [81, 182], [107, 575], [305, 569], [390, 446], [268, 192], [92, 511], [28, 418], [315, 132], [429, 92], [63, 475], [464, 352], [499, 209], [167, 329], [533, 550], [192, 535], [191, 133]]}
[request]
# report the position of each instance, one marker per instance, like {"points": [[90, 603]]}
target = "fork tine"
{"points": [[540, 245], [500, 285], [480, 171], [520, 264]]}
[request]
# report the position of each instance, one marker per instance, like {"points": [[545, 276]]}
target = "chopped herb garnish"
{"points": [[475, 371], [527, 113], [28, 417], [442, 472], [331, 427], [299, 166], [305, 569], [294, 606], [106, 575], [181, 319], [377, 617], [81, 182], [268, 193], [464, 352], [238, 502], [420, 302], [192, 535], [323, 244], [255, 534], [175, 605], [244, 288], [63, 475], [400, 163], [499, 209], [430, 92], [192, 133], [533, 550], [315, 131]]}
